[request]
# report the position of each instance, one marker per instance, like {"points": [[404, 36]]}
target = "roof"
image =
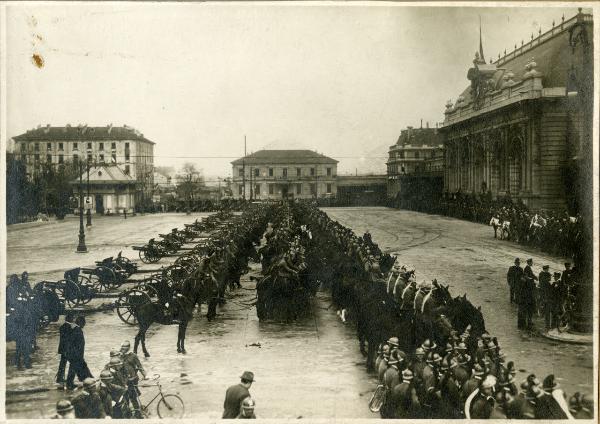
{"points": [[282, 157], [550, 52], [82, 133], [106, 174], [417, 138]]}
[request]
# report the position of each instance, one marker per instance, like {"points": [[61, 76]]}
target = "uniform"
{"points": [[110, 395], [88, 404], [406, 401], [391, 379], [513, 278]]}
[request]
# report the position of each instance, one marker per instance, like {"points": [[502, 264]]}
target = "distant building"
{"points": [[105, 147], [523, 127], [111, 190], [361, 190], [277, 174], [417, 156]]}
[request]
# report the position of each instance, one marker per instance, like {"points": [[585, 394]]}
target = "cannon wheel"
{"points": [[145, 256], [146, 287], [125, 306], [86, 287], [106, 275], [96, 283], [69, 292]]}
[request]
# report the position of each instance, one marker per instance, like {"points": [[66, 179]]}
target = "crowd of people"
{"points": [[552, 232]]}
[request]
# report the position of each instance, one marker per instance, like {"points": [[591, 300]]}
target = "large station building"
{"points": [[523, 125], [284, 174]]}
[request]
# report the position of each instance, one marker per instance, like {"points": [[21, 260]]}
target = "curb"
{"points": [[571, 338]]}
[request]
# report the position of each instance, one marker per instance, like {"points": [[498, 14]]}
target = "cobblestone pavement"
{"points": [[466, 256], [308, 369]]}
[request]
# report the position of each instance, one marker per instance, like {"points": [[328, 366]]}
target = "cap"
{"points": [[529, 260], [477, 370], [115, 361], [248, 375], [114, 352], [394, 341], [125, 343], [419, 351], [64, 405], [546, 267], [461, 346]]}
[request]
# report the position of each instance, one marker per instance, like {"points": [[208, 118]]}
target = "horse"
{"points": [[408, 296], [403, 280], [463, 314], [195, 290], [504, 227]]}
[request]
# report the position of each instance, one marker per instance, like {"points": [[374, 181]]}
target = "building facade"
{"points": [[284, 174], [122, 147], [417, 155], [523, 126]]}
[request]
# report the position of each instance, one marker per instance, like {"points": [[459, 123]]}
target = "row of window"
{"points": [[417, 155], [61, 146], [271, 189], [61, 160], [284, 172], [90, 158]]}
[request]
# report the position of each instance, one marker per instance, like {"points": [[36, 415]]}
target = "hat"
{"points": [[546, 267], [126, 343], [486, 336], [407, 375], [248, 376], [550, 383], [114, 352], [115, 361], [64, 405], [449, 347], [106, 375], [461, 346], [89, 382], [567, 263], [427, 345], [529, 260], [394, 357], [463, 359], [477, 370], [394, 341], [419, 351], [248, 403]]}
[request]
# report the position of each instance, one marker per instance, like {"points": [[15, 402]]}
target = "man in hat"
{"points": [[64, 410], [513, 277], [87, 403], [111, 395], [63, 342], [391, 378], [405, 397], [546, 295], [526, 298], [550, 402], [473, 383], [131, 367], [383, 364], [480, 404], [236, 394], [247, 409]]}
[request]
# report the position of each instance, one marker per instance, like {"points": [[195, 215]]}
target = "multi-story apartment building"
{"points": [[122, 151], [283, 174], [418, 154]]}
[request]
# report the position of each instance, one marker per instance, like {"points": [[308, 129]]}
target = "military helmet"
{"points": [[428, 345], [106, 375], [477, 370], [461, 346], [407, 375], [449, 347], [89, 382], [489, 382], [64, 405], [248, 403], [419, 351], [114, 352], [115, 361], [394, 358], [393, 341]]}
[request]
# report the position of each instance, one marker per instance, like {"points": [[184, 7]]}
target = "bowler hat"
{"points": [[248, 376]]}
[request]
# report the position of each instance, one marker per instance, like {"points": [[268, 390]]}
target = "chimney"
{"points": [[110, 128], [427, 124], [47, 129], [421, 123]]}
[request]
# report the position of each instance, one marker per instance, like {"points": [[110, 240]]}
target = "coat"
{"points": [[233, 400], [76, 348], [64, 340]]}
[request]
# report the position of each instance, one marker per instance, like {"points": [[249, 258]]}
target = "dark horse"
{"points": [[195, 290], [379, 317]]}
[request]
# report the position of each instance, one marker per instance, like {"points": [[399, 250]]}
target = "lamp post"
{"points": [[88, 213], [81, 248]]}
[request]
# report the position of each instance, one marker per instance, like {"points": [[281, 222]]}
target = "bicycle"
{"points": [[169, 405]]}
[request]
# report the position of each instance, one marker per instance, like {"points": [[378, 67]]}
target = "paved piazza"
{"points": [[316, 360]]}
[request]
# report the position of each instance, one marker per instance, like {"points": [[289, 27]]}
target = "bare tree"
{"points": [[190, 181]]}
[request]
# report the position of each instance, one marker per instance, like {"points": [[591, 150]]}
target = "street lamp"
{"points": [[81, 248], [89, 210]]}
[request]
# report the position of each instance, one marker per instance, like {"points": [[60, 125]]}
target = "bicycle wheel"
{"points": [[170, 406], [563, 321]]}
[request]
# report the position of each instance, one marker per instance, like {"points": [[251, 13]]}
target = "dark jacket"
{"points": [[233, 400], [64, 340], [76, 348]]}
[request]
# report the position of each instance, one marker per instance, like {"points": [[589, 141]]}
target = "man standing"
{"points": [[513, 278], [111, 395], [63, 344], [527, 297], [131, 366], [545, 279], [75, 354], [236, 394]]}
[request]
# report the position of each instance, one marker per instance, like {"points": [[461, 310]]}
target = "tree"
{"points": [[190, 182]]}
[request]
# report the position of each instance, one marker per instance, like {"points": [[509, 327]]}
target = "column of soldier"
{"points": [[460, 379], [553, 232]]}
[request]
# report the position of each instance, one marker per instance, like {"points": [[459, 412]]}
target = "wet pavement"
{"points": [[466, 256], [307, 369]]}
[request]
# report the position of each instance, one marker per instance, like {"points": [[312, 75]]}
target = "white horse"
{"points": [[504, 227]]}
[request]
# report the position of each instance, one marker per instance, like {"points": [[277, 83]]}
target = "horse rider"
{"points": [[111, 395], [513, 277]]}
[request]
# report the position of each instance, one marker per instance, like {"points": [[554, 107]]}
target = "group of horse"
{"points": [[203, 275]]}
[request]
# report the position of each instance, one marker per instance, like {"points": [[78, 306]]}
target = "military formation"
{"points": [[555, 233]]}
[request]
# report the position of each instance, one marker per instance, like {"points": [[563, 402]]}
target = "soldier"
{"points": [[383, 364], [390, 379], [513, 277], [247, 409], [115, 366], [480, 404], [63, 342], [473, 383], [550, 401], [449, 390], [527, 298], [111, 395], [64, 410], [87, 403], [405, 397]]}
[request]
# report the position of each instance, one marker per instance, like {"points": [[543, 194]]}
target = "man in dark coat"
{"points": [[75, 355], [550, 403], [546, 295], [526, 298], [236, 394], [513, 278], [63, 343]]}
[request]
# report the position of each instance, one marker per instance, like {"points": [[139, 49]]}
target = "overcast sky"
{"points": [[195, 78]]}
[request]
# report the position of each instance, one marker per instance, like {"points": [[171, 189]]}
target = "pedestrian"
{"points": [[527, 297], [64, 410], [63, 342], [247, 409], [546, 295], [236, 393], [513, 278], [75, 354]]}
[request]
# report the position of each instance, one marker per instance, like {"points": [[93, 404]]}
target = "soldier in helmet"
{"points": [[405, 397], [131, 366], [383, 364], [247, 409], [390, 379], [64, 410], [480, 404], [115, 366], [87, 402], [473, 383], [449, 390], [111, 395]]}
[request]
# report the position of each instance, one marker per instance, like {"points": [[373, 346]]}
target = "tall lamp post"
{"points": [[88, 212], [81, 248]]}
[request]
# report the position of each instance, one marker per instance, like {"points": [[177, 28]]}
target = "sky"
{"points": [[196, 78]]}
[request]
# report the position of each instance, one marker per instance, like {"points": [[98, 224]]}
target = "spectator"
{"points": [[63, 342], [236, 394], [75, 354]]}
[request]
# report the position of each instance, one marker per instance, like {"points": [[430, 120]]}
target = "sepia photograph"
{"points": [[318, 211]]}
